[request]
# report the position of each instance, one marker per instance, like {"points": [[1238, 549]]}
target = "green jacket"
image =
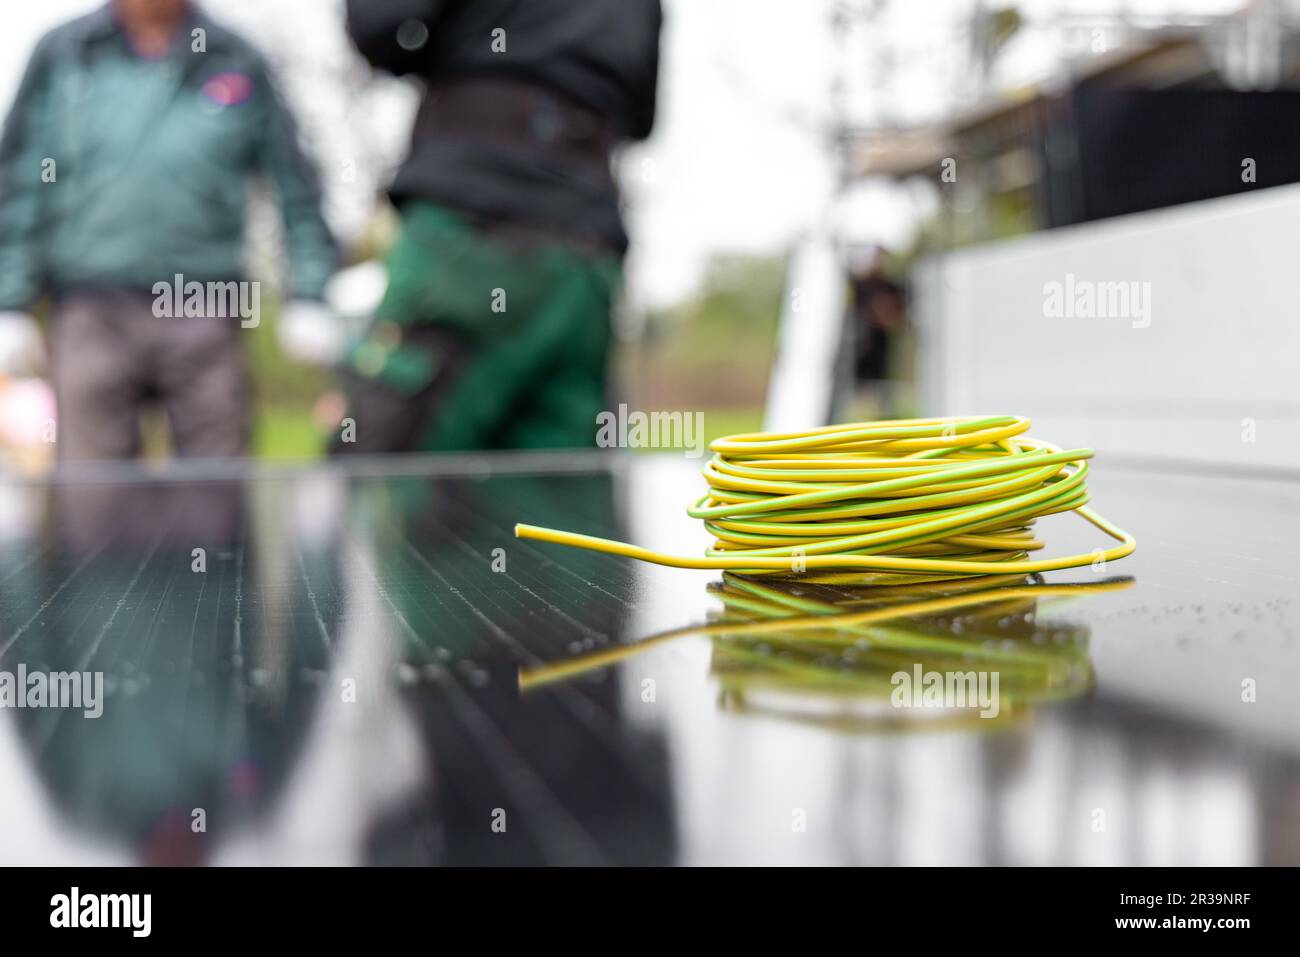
{"points": [[120, 171]]}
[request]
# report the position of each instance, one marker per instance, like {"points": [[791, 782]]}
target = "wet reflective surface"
{"points": [[366, 666]]}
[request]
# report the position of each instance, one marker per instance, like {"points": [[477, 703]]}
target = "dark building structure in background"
{"points": [[1153, 123]]}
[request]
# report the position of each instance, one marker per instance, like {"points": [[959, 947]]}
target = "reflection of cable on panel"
{"points": [[813, 656]]}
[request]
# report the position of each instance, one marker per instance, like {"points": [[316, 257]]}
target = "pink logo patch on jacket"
{"points": [[228, 89]]}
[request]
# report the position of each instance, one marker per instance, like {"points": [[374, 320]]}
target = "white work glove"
{"points": [[22, 347], [309, 332]]}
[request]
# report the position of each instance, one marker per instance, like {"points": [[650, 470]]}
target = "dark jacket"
{"points": [[148, 165], [525, 99]]}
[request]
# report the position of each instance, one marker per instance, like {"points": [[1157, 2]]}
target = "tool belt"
{"points": [[521, 117]]}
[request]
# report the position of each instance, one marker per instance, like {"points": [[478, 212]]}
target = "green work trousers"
{"points": [[483, 341]]}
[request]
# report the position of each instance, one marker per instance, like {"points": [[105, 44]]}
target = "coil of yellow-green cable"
{"points": [[882, 502]]}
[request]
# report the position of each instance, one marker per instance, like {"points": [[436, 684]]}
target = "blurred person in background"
{"points": [[124, 164], [878, 314], [494, 331]]}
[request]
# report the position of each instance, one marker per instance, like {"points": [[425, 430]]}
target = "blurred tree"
{"points": [[714, 351]]}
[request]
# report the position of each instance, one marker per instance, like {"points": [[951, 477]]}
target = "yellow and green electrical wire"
{"points": [[882, 503]]}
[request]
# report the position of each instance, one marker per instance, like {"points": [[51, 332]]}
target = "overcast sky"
{"points": [[739, 161]]}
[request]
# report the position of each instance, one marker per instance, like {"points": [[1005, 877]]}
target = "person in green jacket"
{"points": [[124, 169]]}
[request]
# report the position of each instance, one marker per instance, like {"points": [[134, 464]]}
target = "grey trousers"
{"points": [[112, 358]]}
